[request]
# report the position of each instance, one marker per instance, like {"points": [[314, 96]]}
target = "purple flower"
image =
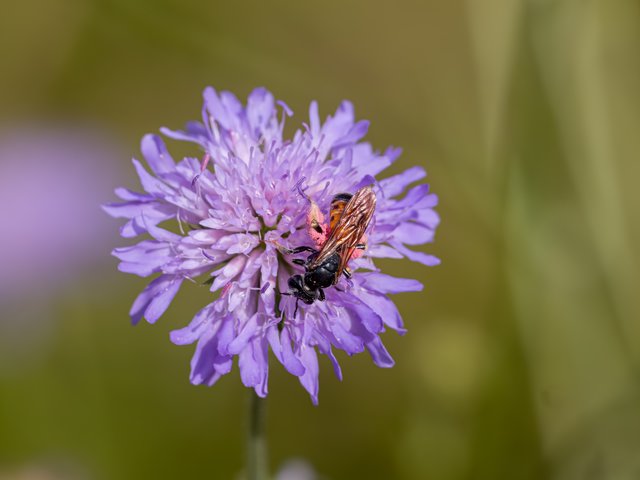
{"points": [[233, 212], [51, 178]]}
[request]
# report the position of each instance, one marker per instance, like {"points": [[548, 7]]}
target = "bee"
{"points": [[339, 242]]}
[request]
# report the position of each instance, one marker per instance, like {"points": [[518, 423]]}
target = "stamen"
{"points": [[226, 288], [298, 187], [180, 222], [203, 165], [262, 289], [206, 255], [205, 162]]}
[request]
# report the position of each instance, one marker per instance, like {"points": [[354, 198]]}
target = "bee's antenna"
{"points": [[295, 312]]}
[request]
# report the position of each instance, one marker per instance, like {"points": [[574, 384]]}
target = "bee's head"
{"points": [[298, 289], [310, 281]]}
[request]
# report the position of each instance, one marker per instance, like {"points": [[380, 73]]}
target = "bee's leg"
{"points": [[318, 233], [321, 293], [348, 275], [315, 225], [299, 261], [295, 312], [359, 249], [292, 251], [301, 249]]}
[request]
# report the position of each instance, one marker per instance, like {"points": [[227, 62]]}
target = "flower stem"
{"points": [[256, 441]]}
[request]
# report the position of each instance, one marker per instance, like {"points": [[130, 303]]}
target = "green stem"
{"points": [[256, 440]]}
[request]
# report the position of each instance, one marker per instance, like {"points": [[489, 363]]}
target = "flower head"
{"points": [[239, 208]]}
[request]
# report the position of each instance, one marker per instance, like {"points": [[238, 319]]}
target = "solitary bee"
{"points": [[339, 242]]}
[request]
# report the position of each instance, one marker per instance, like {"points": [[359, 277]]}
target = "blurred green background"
{"points": [[523, 351]]}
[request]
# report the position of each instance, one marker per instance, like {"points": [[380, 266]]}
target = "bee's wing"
{"points": [[349, 230]]}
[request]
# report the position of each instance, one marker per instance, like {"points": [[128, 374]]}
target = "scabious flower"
{"points": [[235, 206]]}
